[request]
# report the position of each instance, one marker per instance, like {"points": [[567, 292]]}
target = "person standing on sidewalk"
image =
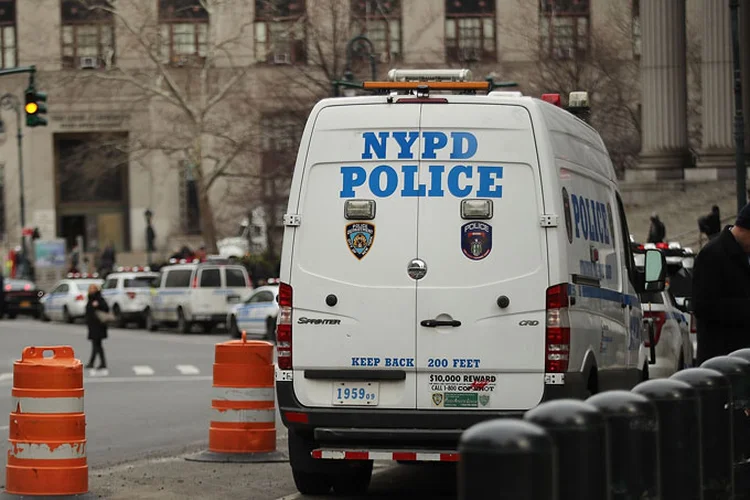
{"points": [[721, 290], [97, 327], [656, 232]]}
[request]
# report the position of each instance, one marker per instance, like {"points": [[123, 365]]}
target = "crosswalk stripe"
{"points": [[188, 369], [143, 370]]}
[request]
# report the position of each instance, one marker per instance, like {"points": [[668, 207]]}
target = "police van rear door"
{"points": [[481, 302], [353, 333]]}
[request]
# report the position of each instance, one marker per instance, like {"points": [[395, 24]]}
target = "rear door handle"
{"points": [[432, 323]]}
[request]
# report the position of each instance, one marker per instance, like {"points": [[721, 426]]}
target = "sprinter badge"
{"points": [[476, 240], [359, 237]]}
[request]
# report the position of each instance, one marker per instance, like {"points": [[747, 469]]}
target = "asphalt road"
{"points": [[154, 401]]}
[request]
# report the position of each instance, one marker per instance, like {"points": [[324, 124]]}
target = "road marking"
{"points": [[176, 378], [4, 428], [98, 373], [376, 472], [143, 370], [188, 369], [5, 376]]}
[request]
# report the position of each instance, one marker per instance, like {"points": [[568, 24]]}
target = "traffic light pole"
{"points": [[11, 102]]}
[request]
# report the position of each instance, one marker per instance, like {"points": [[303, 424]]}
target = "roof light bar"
{"points": [[485, 86], [578, 99], [422, 75], [552, 99]]}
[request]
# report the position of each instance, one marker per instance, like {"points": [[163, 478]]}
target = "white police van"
{"points": [[447, 258], [128, 294]]}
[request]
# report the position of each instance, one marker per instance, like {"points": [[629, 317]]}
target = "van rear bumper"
{"points": [[399, 427]]}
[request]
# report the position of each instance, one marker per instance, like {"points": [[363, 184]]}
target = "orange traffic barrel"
{"points": [[243, 404], [47, 432]]}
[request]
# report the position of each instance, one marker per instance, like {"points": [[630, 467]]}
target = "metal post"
{"points": [[11, 102], [739, 126]]}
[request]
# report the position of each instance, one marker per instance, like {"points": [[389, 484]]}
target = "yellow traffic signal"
{"points": [[32, 108]]}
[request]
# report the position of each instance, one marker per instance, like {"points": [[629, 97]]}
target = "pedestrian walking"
{"points": [[721, 290], [657, 232], [710, 224], [96, 325]]}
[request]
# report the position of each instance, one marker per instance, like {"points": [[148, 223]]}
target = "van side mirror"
{"points": [[688, 305], [655, 271]]}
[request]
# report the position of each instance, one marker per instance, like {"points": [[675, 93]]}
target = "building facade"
{"points": [[153, 99]]}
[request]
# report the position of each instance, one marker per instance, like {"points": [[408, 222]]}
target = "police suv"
{"points": [[451, 254], [127, 292]]}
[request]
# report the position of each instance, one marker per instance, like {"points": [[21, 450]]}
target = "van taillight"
{"points": [[284, 328], [693, 324], [659, 318], [557, 348]]}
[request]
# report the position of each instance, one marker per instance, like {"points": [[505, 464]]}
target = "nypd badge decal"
{"points": [[359, 238], [476, 240]]}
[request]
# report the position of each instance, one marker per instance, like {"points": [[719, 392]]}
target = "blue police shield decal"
{"points": [[359, 237], [476, 240]]}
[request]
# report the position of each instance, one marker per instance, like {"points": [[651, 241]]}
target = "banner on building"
{"points": [[50, 253]]}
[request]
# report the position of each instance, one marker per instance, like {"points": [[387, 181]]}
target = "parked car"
{"points": [[22, 297], [256, 315], [674, 350], [128, 294], [67, 300]]}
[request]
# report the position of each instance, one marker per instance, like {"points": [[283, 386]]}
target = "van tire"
{"points": [[183, 325], [644, 373], [234, 330], [119, 320], [311, 483], [67, 318], [311, 476], [355, 481], [592, 387]]}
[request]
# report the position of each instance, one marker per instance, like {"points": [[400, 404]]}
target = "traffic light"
{"points": [[35, 108]]}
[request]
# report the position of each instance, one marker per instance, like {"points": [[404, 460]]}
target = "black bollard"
{"points": [[506, 459], [737, 370], [580, 435], [679, 437], [633, 424], [717, 447]]}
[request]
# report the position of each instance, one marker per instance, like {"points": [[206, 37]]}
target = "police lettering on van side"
{"points": [[591, 219], [459, 180]]}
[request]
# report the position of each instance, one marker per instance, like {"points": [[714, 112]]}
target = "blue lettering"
{"points": [[592, 220], [487, 188], [584, 219], [465, 363], [411, 173], [399, 362], [372, 144], [576, 213], [436, 176], [391, 181], [605, 224], [453, 187], [405, 144], [433, 141], [458, 140], [353, 177]]}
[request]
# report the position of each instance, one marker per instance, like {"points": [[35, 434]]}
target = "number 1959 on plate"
{"points": [[356, 393]]}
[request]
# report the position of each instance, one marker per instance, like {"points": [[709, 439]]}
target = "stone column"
{"points": [[717, 150], [664, 91]]}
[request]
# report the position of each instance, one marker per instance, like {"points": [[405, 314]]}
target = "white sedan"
{"points": [[257, 315], [673, 346], [67, 300]]}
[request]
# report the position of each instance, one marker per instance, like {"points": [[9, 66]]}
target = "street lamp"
{"points": [[12, 103], [348, 80], [739, 126]]}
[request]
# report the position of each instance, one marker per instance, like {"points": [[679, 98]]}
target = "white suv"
{"points": [[128, 294]]}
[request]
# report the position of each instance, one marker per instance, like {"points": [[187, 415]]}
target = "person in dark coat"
{"points": [[97, 328], [657, 232], [710, 224], [721, 290]]}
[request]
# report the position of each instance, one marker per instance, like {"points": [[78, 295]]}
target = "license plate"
{"points": [[356, 393], [25, 304]]}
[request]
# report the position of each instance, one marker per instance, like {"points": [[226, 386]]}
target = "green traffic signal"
{"points": [[35, 107]]}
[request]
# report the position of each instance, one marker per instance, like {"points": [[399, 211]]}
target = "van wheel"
{"points": [[644, 372], [119, 320], [270, 328], [66, 315], [208, 327], [11, 315], [183, 325], [355, 481], [311, 476], [593, 384]]}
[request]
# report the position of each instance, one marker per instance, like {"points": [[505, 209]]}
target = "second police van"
{"points": [[451, 254]]}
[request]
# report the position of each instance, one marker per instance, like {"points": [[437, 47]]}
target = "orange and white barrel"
{"points": [[47, 430], [243, 408]]}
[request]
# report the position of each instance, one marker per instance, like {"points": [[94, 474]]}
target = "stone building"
{"points": [[136, 93]]}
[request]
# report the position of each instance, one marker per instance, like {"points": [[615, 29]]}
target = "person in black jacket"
{"points": [[656, 232], [721, 290], [97, 327], [710, 224]]}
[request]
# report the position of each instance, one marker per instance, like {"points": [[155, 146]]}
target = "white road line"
{"points": [[4, 428], [187, 369], [176, 378], [143, 370], [5, 376]]}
